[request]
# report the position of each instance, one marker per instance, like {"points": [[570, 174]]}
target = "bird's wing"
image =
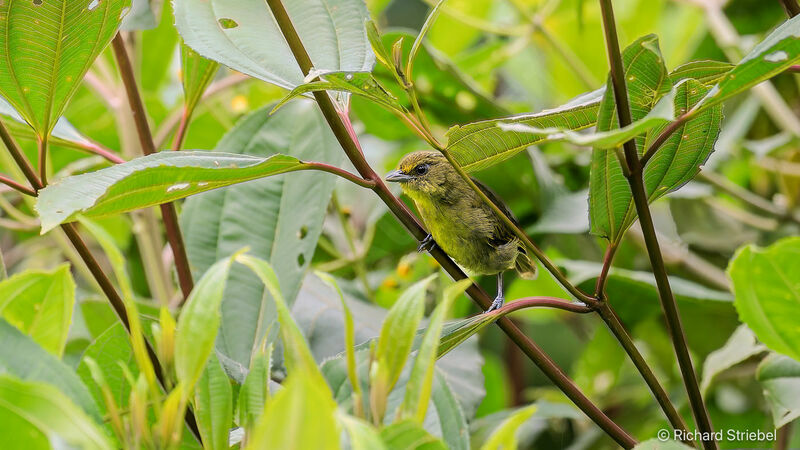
{"points": [[501, 234]]}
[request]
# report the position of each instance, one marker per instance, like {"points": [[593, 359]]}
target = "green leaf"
{"points": [[152, 180], [40, 304], [213, 406], [50, 411], [768, 293], [662, 113], [224, 31], [362, 435], [363, 84], [776, 53], [198, 324], [24, 359], [420, 383], [114, 255], [297, 355], [478, 145], [142, 15], [301, 415], [48, 61], [197, 73], [218, 223], [505, 436], [376, 43], [63, 133], [705, 71], [395, 342], [409, 435], [452, 420], [741, 346], [658, 444], [110, 352], [780, 377], [255, 389], [349, 340]]}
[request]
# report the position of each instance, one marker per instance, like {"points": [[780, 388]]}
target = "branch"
{"points": [[411, 223], [636, 183], [17, 186], [791, 7], [369, 184], [542, 302], [168, 214]]}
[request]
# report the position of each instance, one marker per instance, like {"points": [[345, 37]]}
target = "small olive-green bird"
{"points": [[459, 221]]}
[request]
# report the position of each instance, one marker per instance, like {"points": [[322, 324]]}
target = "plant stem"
{"points": [[791, 7], [635, 180], [97, 272], [353, 178], [17, 186], [41, 146], [401, 212], [18, 156], [539, 302], [168, 213], [784, 437]]}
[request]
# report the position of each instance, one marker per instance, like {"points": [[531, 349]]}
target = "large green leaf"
{"points": [[110, 351], [48, 47], [479, 145], [213, 406], [279, 219], [22, 358], [151, 180], [199, 323], [40, 303], [409, 435], [780, 377], [767, 292], [63, 133], [244, 36], [51, 411], [505, 435]]}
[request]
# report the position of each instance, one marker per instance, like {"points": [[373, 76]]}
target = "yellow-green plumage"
{"points": [[459, 221]]}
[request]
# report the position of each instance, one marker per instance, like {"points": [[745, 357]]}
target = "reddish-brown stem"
{"points": [[19, 158], [663, 136], [369, 184], [793, 69], [608, 258], [103, 152], [183, 127], [791, 7], [401, 212], [541, 302], [168, 214], [17, 186]]}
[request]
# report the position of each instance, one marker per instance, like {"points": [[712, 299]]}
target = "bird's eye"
{"points": [[421, 169]]}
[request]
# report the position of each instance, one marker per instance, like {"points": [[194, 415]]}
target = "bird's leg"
{"points": [[427, 244], [500, 299]]}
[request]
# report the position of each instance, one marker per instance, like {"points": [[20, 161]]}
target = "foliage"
{"points": [[266, 304]]}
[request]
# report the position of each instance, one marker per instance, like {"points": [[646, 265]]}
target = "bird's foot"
{"points": [[427, 244], [496, 304]]}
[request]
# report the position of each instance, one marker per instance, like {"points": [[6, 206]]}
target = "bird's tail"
{"points": [[525, 266]]}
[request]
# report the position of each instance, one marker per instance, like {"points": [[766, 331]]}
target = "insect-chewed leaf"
{"points": [[225, 31], [152, 180]]}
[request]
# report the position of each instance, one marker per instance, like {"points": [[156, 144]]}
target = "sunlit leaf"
{"points": [[47, 61], [505, 436], [51, 411], [213, 406], [255, 389], [40, 305], [780, 377], [199, 323], [768, 293], [225, 31], [362, 435], [409, 435], [152, 180]]}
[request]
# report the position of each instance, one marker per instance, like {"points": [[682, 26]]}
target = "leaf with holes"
{"points": [[244, 36], [263, 215], [479, 145], [49, 46], [197, 73], [152, 180], [767, 293]]}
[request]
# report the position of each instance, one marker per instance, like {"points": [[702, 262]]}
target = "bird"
{"points": [[460, 222]]}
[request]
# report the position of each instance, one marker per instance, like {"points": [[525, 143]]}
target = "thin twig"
{"points": [[168, 214], [636, 182], [41, 146], [542, 302], [353, 178], [411, 223], [791, 7], [17, 186]]}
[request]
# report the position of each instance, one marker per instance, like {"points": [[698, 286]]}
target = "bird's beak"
{"points": [[397, 176]]}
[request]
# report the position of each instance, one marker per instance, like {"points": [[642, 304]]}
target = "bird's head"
{"points": [[423, 173]]}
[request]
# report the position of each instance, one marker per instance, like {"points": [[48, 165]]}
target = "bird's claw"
{"points": [[496, 304], [427, 244]]}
